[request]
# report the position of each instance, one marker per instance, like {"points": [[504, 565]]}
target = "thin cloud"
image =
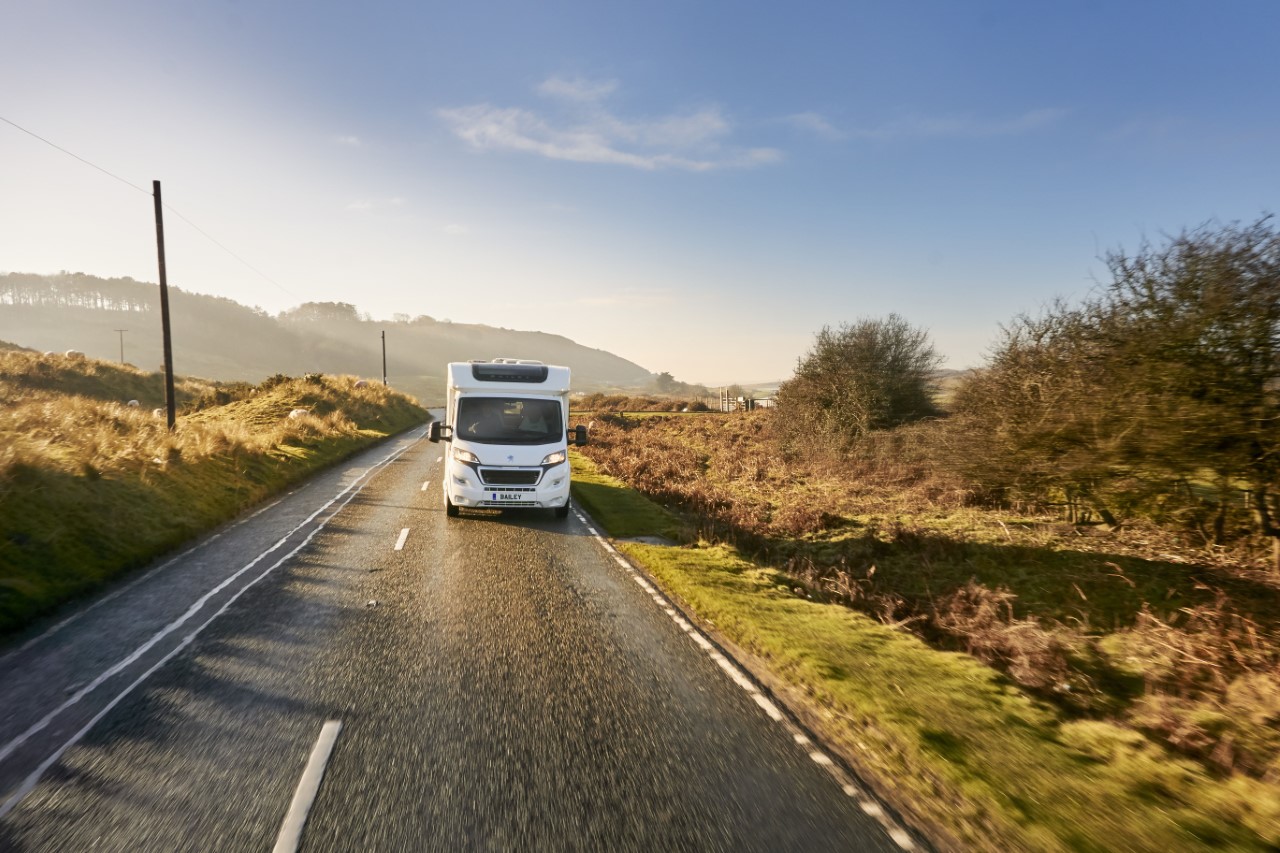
{"points": [[348, 141], [455, 230], [627, 297], [589, 133], [577, 89], [816, 124], [1150, 127], [961, 127], [367, 204]]}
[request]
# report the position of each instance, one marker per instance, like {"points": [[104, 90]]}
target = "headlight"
{"points": [[465, 456], [554, 458]]}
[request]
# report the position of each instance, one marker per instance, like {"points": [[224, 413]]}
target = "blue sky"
{"points": [[697, 186]]}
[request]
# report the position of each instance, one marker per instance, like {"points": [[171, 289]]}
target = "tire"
{"points": [[450, 508], [562, 511]]}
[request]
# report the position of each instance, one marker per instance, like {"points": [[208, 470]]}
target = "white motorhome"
{"points": [[506, 421]]}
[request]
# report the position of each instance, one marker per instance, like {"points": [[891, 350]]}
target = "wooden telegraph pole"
{"points": [[164, 312], [122, 331], [384, 357]]}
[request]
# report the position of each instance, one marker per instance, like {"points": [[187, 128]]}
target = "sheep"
{"points": [[74, 353], [133, 404], [297, 413], [362, 383]]}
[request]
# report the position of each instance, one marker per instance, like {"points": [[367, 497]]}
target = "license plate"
{"points": [[506, 496]]}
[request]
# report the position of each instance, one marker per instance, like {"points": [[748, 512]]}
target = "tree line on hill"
{"points": [[1158, 396], [218, 338]]}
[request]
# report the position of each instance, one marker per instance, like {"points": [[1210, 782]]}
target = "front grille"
{"points": [[507, 503], [510, 476]]}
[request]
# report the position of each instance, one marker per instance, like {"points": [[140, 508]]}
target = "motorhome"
{"points": [[506, 422]]}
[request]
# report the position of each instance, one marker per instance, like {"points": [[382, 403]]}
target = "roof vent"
{"points": [[509, 370]]}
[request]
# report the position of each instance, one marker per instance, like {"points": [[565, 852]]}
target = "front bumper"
{"points": [[463, 488]]}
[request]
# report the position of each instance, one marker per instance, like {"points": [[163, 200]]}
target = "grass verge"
{"points": [[91, 487], [950, 741], [624, 512]]}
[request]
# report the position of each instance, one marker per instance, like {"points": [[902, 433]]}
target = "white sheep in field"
{"points": [[362, 383], [297, 413], [160, 413], [133, 404], [73, 353]]}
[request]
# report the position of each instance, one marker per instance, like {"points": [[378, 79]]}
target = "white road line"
{"points": [[900, 837], [308, 786], [33, 779], [404, 534], [425, 484], [739, 676], [439, 458], [53, 629], [14, 744], [768, 707]]}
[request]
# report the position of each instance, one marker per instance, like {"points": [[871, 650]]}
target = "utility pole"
{"points": [[170, 406], [122, 331], [384, 356]]}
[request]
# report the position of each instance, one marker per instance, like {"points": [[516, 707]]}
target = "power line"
{"points": [[76, 156], [170, 208], [208, 237]]}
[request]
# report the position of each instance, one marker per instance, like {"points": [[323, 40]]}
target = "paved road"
{"points": [[501, 682]]}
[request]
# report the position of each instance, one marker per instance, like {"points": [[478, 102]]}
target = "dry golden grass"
{"points": [[90, 485], [1136, 625], [984, 766]]}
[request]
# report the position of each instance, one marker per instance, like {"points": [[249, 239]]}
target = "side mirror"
{"points": [[439, 432], [580, 435]]}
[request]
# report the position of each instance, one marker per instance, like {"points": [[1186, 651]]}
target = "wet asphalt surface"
{"points": [[502, 684]]}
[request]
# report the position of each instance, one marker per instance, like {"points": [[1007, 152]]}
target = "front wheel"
{"points": [[563, 511], [450, 508]]}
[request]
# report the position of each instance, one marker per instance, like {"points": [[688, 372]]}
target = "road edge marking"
{"points": [[115, 593], [295, 819], [404, 535], [741, 676], [34, 777]]}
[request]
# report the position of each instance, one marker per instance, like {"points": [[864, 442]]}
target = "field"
{"points": [[1021, 682], [91, 486]]}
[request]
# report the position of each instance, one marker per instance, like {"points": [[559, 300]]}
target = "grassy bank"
{"points": [[983, 761], [91, 487]]}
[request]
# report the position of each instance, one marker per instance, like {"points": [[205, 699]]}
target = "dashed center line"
{"points": [[425, 484], [865, 801], [308, 786], [404, 534]]}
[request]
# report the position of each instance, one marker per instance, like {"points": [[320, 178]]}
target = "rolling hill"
{"points": [[221, 339]]}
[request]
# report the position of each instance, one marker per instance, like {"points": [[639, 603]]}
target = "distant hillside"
{"points": [[221, 339]]}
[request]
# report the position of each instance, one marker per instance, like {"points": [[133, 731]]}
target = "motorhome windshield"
{"points": [[509, 420]]}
